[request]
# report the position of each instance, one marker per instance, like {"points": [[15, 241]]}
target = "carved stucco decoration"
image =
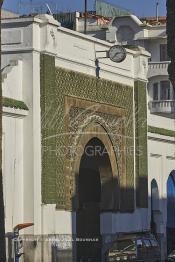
{"points": [[85, 120]]}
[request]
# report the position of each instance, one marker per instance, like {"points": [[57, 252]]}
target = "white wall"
{"points": [[112, 223], [13, 171], [161, 161], [12, 85], [72, 50]]}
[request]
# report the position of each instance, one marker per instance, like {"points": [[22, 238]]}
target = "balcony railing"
{"points": [[157, 68], [162, 107]]}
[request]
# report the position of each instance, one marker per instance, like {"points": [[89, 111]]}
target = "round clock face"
{"points": [[117, 53]]}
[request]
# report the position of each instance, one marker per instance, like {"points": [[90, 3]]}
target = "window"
{"points": [[147, 242], [139, 242], [163, 53], [173, 95], [127, 244], [155, 91], [165, 90], [154, 243], [125, 34]]}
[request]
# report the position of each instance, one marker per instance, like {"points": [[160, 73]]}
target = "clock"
{"points": [[117, 53]]}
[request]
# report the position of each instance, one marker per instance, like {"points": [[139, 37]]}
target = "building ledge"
{"points": [[13, 103], [163, 107], [14, 112], [14, 108], [161, 131], [158, 68]]}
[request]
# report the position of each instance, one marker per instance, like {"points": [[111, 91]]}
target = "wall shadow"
{"points": [[90, 243]]}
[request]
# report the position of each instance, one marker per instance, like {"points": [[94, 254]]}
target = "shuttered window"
{"points": [[163, 53], [165, 90], [155, 91]]}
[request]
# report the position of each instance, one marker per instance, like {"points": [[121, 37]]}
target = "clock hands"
{"points": [[116, 54]]}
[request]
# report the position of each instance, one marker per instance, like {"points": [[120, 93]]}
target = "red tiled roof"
{"points": [[153, 20], [101, 19]]}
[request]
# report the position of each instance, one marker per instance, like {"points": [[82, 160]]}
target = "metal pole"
{"points": [[157, 11], [15, 239], [85, 16], [2, 215], [16, 248]]}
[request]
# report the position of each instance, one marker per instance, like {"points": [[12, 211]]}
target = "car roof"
{"points": [[135, 236]]}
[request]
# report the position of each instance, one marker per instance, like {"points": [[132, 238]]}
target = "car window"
{"points": [[139, 242], [124, 245], [147, 243], [154, 243]]}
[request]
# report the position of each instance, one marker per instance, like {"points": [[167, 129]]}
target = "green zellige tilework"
{"points": [[56, 83], [161, 131], [48, 104], [13, 103], [141, 145]]}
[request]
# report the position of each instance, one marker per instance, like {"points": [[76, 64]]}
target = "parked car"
{"points": [[171, 256], [134, 247]]}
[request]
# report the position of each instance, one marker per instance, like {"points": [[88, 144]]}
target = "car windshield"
{"points": [[154, 243], [124, 245]]}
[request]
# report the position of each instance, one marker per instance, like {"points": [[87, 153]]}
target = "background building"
{"points": [[150, 33], [8, 14]]}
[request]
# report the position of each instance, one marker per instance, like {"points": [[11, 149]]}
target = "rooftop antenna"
{"points": [[19, 6], [49, 10], [85, 16], [31, 6], [157, 11], [56, 7]]}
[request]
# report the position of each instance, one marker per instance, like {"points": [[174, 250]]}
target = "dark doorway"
{"points": [[154, 207], [94, 161], [171, 212]]}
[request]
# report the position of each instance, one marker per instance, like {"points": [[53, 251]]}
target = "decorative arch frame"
{"points": [[95, 130], [91, 119], [91, 127]]}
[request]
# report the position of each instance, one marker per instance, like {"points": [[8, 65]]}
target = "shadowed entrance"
{"points": [[171, 212], [94, 165], [154, 207]]}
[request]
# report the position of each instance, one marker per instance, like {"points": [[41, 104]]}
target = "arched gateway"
{"points": [[97, 190]]}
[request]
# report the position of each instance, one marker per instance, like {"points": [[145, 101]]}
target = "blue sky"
{"points": [[138, 7]]}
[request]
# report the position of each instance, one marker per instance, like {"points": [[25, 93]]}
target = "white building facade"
{"points": [[24, 42]]}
